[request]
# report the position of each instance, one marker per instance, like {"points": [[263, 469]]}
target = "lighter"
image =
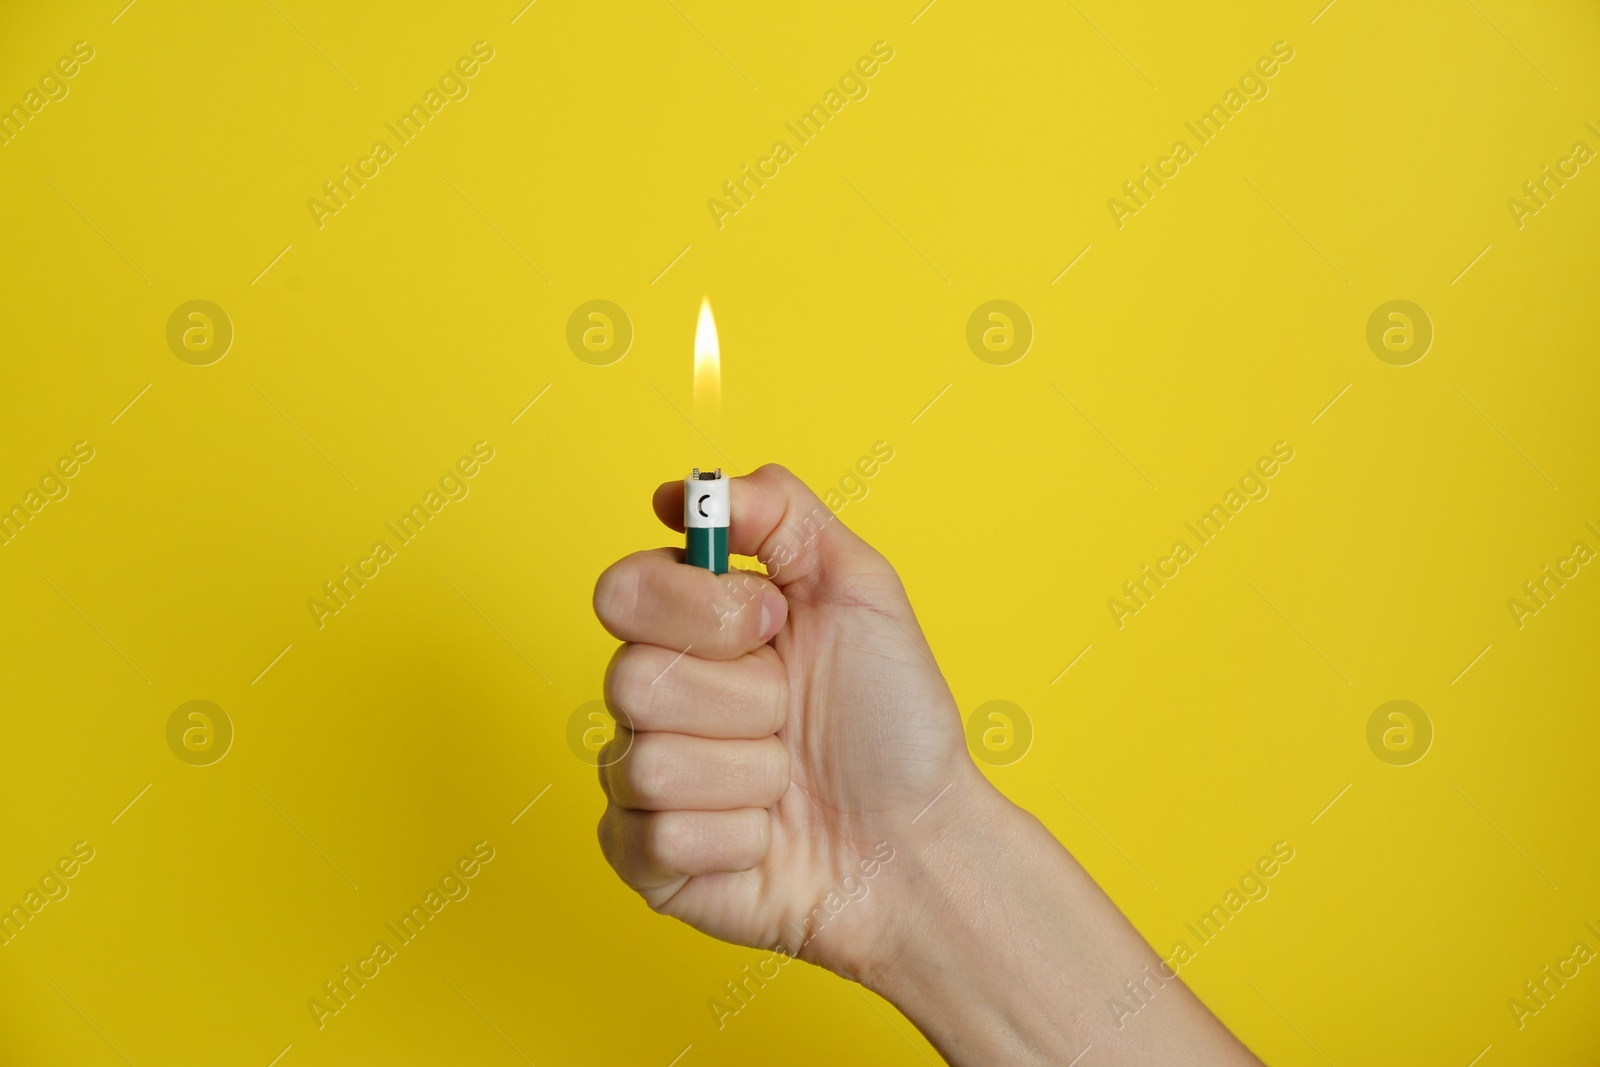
{"points": [[706, 512]]}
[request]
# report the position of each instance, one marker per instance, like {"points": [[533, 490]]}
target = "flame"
{"points": [[707, 365]]}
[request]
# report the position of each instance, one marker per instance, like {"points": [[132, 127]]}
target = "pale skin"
{"points": [[805, 727]]}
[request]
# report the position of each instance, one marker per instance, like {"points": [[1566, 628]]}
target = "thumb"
{"points": [[780, 521]]}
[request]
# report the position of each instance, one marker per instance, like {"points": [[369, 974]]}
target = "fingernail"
{"points": [[773, 611]]}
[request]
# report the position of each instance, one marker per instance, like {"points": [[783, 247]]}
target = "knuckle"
{"points": [[627, 686], [616, 592], [607, 833], [778, 472], [615, 750], [664, 840], [647, 770], [772, 469]]}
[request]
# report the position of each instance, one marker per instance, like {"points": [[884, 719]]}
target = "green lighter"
{"points": [[706, 512]]}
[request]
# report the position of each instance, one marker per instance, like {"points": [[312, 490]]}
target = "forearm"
{"points": [[1008, 952]]}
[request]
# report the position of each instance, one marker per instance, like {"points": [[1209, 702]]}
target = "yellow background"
{"points": [[424, 718]]}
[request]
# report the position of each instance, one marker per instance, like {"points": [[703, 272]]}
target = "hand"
{"points": [[784, 730], [796, 776]]}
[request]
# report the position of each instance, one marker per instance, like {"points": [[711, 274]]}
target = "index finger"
{"points": [[652, 598]]}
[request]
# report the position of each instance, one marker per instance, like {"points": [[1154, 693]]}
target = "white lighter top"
{"points": [[705, 499]]}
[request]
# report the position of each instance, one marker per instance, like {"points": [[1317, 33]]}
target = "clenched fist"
{"points": [[790, 772], [785, 730]]}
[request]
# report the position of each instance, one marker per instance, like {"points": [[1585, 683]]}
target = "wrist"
{"points": [[975, 957], [950, 853], [1002, 949]]}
